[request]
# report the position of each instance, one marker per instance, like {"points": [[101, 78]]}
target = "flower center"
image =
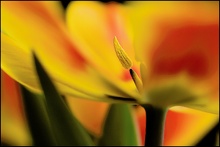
{"points": [[127, 64]]}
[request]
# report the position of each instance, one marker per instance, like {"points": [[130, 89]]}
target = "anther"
{"points": [[121, 54]]}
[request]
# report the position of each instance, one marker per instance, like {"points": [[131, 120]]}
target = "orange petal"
{"points": [[90, 113], [183, 126], [178, 42], [193, 49], [190, 52], [151, 19], [14, 130], [187, 126]]}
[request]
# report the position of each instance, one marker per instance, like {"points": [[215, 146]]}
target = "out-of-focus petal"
{"points": [[93, 26], [190, 53], [37, 28], [178, 42], [183, 126], [18, 63], [14, 130], [191, 123], [90, 113], [33, 26], [96, 19], [151, 19]]}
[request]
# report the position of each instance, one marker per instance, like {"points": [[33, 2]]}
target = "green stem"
{"points": [[155, 120]]}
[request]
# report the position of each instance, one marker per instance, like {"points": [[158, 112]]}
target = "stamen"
{"points": [[136, 80], [121, 54], [143, 72], [127, 63]]}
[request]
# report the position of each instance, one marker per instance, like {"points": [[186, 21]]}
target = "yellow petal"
{"points": [[93, 25], [34, 26], [17, 62], [88, 22]]}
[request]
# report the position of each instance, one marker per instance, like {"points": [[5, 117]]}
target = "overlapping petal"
{"points": [[36, 26], [79, 65], [94, 25], [178, 43], [151, 20]]}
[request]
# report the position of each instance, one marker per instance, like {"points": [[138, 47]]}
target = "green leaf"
{"points": [[37, 118], [120, 128], [68, 131]]}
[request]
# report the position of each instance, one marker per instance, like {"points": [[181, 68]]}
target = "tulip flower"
{"points": [[164, 54]]}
